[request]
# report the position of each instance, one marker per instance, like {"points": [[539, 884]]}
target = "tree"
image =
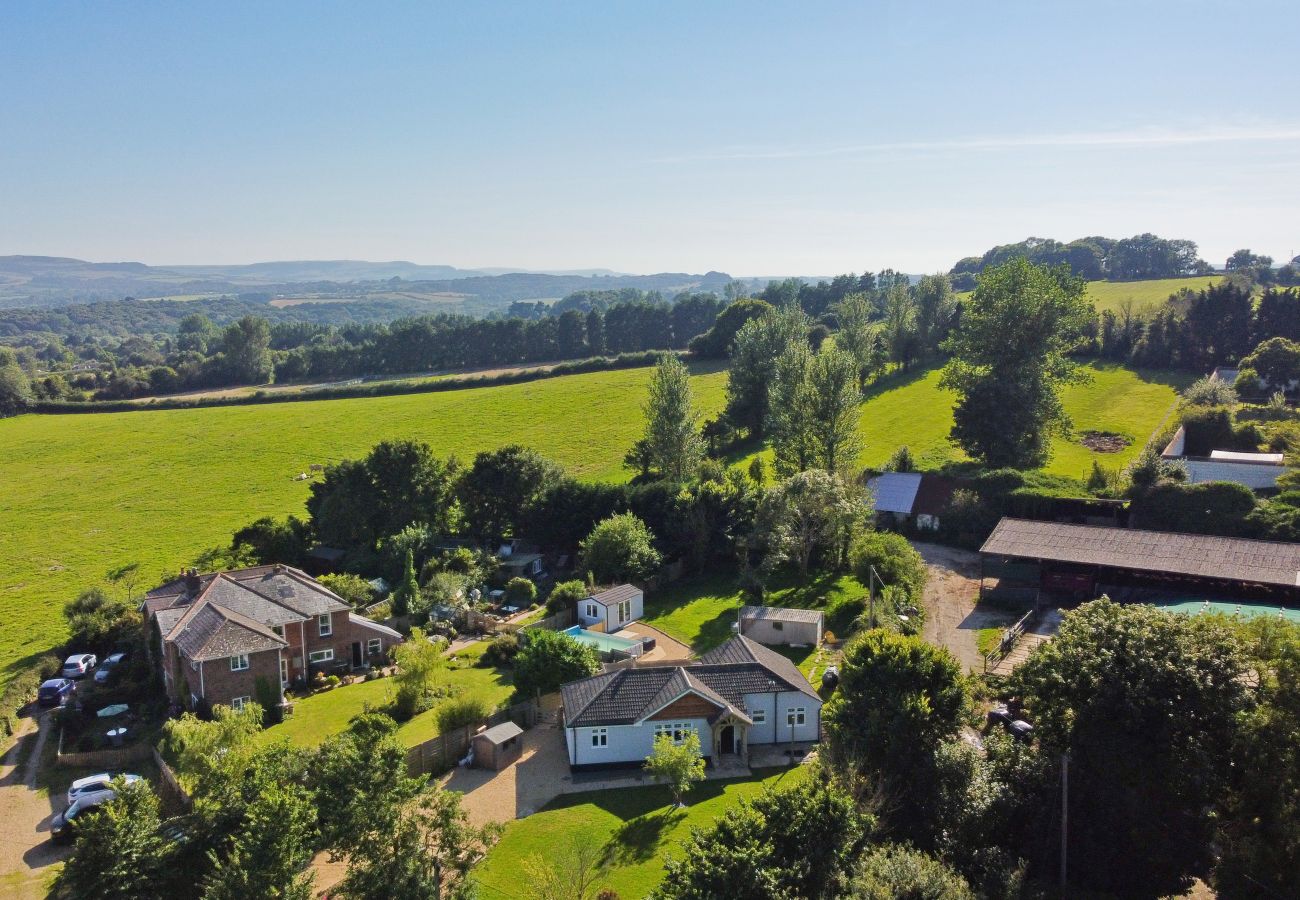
{"points": [[1009, 362], [1147, 706], [809, 512], [353, 589], [427, 853], [619, 548], [1276, 361], [717, 342], [857, 335], [789, 419], [550, 659], [406, 595], [247, 347], [794, 842], [676, 763], [498, 488], [936, 311], [99, 623], [900, 328], [1244, 259], [419, 660], [894, 560], [521, 592], [757, 345], [672, 430], [573, 873], [901, 873], [119, 854], [15, 386], [206, 751], [835, 411], [270, 850], [899, 698], [565, 595]]}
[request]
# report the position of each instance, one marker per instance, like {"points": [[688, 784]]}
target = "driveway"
{"points": [[520, 789], [666, 648], [951, 592], [26, 854]]}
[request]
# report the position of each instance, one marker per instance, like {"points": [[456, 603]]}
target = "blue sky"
{"points": [[753, 138]]}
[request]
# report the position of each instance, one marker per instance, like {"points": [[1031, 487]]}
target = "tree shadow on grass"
{"points": [[638, 840]]}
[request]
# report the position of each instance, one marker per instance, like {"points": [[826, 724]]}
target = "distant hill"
{"points": [[329, 270]]}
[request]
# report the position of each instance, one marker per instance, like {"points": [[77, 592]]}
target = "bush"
{"points": [[565, 595], [894, 560], [502, 651], [620, 548], [1214, 507], [1208, 391], [21, 690], [461, 711], [520, 592], [550, 659]]}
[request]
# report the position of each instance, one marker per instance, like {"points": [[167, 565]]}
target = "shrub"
{"points": [[895, 562], [1209, 508], [901, 461], [22, 689], [620, 548], [565, 595], [520, 592], [550, 659], [461, 711], [1208, 391], [502, 651]]}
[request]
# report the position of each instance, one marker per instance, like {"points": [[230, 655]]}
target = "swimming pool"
{"points": [[1244, 608], [605, 643]]}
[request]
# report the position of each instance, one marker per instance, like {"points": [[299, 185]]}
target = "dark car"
{"points": [[1000, 715], [55, 691], [1017, 728], [1021, 730], [105, 670], [63, 827]]}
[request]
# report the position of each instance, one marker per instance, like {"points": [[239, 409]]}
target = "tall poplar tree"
{"points": [[672, 429]]}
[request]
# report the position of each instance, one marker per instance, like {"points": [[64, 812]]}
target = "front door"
{"points": [[727, 741], [356, 654]]}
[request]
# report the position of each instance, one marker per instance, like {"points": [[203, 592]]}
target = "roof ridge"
{"points": [[617, 676]]}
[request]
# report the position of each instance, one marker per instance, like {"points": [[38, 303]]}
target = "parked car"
{"points": [[107, 666], [1021, 730], [55, 692], [1017, 728], [100, 785], [79, 665], [63, 826], [1000, 715]]}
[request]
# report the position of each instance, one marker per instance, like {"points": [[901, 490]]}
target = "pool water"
{"points": [[1245, 608], [605, 643]]}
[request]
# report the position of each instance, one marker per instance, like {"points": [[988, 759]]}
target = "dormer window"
{"points": [[278, 629], [325, 626]]}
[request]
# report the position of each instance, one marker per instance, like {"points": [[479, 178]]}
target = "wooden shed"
{"points": [[498, 746]]}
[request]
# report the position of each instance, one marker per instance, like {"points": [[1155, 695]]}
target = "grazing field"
{"points": [[80, 494], [321, 715], [911, 409], [634, 827], [1144, 295]]}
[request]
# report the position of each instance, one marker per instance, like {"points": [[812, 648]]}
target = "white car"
{"points": [[95, 789], [78, 665]]}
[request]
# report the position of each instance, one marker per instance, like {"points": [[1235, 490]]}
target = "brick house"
{"points": [[230, 637]]}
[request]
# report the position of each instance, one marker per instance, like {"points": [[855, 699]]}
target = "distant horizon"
{"points": [[678, 137]]}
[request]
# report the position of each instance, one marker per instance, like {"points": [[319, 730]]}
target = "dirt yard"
{"points": [[951, 592], [26, 855]]}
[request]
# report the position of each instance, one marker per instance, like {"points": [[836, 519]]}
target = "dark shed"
{"points": [[498, 747]]}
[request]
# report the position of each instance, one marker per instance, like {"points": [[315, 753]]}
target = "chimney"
{"points": [[279, 569], [192, 580]]}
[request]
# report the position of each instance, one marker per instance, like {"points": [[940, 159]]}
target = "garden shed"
{"points": [[498, 746], [776, 625]]}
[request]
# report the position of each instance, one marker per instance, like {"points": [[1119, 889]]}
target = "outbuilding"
{"points": [[780, 625], [498, 746]]}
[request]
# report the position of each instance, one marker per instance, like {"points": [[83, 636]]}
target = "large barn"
{"points": [[1030, 560]]}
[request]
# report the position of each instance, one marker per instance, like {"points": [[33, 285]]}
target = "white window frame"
{"points": [[759, 716], [237, 703], [599, 738], [676, 730], [324, 625], [798, 713], [374, 647], [592, 611], [624, 610], [284, 672], [239, 662], [320, 656]]}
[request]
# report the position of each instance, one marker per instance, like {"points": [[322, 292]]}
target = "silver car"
{"points": [[78, 665], [96, 788]]}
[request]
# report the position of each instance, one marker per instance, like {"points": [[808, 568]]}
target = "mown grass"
{"points": [[80, 494], [1143, 295], [321, 715], [635, 829]]}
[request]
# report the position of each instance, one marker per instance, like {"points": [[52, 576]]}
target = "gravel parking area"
{"points": [[951, 592], [520, 789], [26, 854]]}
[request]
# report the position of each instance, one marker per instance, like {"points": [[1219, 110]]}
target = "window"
{"points": [[320, 656], [284, 672], [326, 628], [600, 737], [796, 715], [624, 610], [591, 611], [374, 647], [278, 629], [778, 626], [676, 730], [759, 716], [238, 702], [239, 663]]}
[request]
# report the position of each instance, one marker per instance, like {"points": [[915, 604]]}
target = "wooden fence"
{"points": [[169, 785], [108, 758], [1009, 638], [558, 622], [441, 753]]}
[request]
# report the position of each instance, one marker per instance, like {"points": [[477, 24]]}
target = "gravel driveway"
{"points": [[951, 593], [26, 855]]}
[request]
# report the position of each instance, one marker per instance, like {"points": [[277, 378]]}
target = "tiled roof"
{"points": [[894, 492], [208, 631], [781, 614], [724, 676], [1199, 555], [292, 588], [242, 599], [617, 594]]}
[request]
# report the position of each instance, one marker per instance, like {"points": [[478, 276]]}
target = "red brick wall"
{"points": [[220, 685]]}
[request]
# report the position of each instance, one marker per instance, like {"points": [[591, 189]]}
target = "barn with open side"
{"points": [[1052, 561]]}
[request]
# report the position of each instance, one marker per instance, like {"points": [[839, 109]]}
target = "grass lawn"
{"points": [[635, 828], [317, 717], [81, 494], [1145, 295]]}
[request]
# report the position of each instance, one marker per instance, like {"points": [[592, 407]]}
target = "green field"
{"points": [[911, 409], [80, 494], [1145, 295], [635, 829]]}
